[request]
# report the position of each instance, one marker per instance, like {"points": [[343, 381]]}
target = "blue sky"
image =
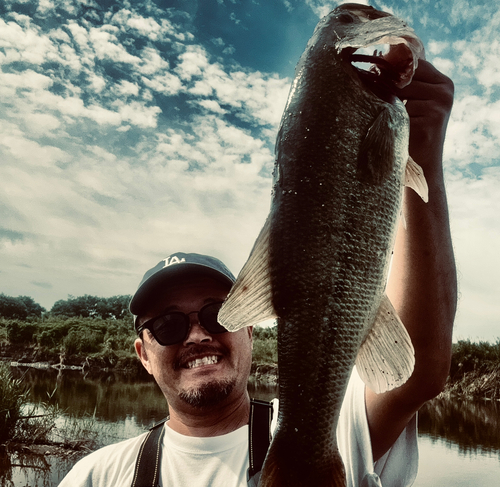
{"points": [[130, 130]]}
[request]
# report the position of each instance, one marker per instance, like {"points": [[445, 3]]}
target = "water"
{"points": [[459, 441]]}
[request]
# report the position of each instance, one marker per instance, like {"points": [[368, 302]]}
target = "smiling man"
{"points": [[201, 369]]}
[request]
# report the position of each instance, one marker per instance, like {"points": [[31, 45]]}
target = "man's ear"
{"points": [[140, 349]]}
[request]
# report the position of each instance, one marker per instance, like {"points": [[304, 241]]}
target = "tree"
{"points": [[84, 306], [33, 308], [88, 306], [19, 308]]}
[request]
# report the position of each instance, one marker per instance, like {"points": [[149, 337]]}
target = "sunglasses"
{"points": [[173, 326]]}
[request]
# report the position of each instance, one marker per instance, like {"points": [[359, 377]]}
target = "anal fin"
{"points": [[415, 179], [386, 358], [249, 301]]}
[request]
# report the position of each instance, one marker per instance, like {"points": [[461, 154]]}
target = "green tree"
{"points": [[84, 306], [33, 308], [88, 306], [115, 307], [11, 307], [19, 308]]}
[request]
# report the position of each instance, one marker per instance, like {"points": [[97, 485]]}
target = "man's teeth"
{"points": [[212, 359]]}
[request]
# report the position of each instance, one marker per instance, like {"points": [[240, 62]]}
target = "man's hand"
{"points": [[429, 98]]}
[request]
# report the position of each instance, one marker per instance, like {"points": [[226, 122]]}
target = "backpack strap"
{"points": [[147, 471], [259, 437]]}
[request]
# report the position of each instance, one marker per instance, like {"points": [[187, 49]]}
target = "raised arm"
{"points": [[422, 285]]}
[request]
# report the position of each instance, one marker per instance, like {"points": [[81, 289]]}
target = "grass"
{"points": [[20, 421]]}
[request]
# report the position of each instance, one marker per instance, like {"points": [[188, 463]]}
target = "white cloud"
{"points": [[474, 207], [101, 184], [474, 132]]}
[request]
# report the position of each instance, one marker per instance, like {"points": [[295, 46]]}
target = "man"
{"points": [[203, 371]]}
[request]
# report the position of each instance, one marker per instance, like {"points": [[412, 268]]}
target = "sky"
{"points": [[132, 130]]}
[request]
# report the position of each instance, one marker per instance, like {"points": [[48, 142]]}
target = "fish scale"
{"points": [[320, 264]]}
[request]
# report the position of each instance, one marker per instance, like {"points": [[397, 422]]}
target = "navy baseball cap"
{"points": [[170, 269]]}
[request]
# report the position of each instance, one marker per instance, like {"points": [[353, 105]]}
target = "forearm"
{"points": [[423, 286]]}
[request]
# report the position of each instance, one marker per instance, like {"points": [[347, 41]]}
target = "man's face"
{"points": [[204, 369]]}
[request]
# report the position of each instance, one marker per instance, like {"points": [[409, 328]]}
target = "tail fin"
{"points": [[282, 470]]}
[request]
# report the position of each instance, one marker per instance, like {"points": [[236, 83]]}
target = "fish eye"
{"points": [[345, 18]]}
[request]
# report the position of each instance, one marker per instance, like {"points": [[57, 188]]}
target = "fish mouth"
{"points": [[382, 49], [383, 68]]}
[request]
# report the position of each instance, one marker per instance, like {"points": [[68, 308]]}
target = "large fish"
{"points": [[321, 262]]}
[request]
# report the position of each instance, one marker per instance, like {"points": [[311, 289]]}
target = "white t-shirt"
{"points": [[222, 461]]}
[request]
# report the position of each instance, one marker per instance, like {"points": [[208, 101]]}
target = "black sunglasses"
{"points": [[173, 326]]}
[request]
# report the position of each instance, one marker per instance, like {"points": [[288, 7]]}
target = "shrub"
{"points": [[265, 351], [19, 332], [12, 398], [471, 356], [53, 333], [78, 342]]}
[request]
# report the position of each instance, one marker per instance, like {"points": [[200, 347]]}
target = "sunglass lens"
{"points": [[170, 328], [208, 318]]}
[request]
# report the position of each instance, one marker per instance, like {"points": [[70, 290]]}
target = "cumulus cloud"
{"points": [[124, 138], [98, 175]]}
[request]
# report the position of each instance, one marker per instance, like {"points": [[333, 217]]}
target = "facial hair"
{"points": [[212, 393], [208, 395]]}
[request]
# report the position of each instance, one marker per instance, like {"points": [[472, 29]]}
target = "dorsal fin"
{"points": [[249, 301]]}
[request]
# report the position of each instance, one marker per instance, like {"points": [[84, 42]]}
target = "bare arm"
{"points": [[422, 285]]}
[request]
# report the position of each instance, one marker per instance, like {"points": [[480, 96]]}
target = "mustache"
{"points": [[196, 351]]}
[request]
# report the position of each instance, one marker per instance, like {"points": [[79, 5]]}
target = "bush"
{"points": [[19, 332], [470, 357], [77, 343], [53, 333], [265, 351], [12, 398]]}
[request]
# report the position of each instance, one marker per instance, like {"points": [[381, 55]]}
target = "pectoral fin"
{"points": [[376, 153], [415, 179], [386, 357], [249, 301]]}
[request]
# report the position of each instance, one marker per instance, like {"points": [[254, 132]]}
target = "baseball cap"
{"points": [[170, 269]]}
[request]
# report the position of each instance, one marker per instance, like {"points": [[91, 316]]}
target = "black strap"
{"points": [[259, 434], [147, 466]]}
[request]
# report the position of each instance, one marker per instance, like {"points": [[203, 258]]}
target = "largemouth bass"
{"points": [[320, 263]]}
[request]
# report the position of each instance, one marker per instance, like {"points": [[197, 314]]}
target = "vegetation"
{"points": [[21, 307], [93, 307], [91, 331], [475, 370], [18, 421]]}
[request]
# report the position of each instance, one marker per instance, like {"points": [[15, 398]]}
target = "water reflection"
{"points": [[107, 396], [126, 406], [474, 426], [29, 469]]}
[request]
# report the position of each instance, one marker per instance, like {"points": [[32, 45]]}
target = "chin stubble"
{"points": [[208, 395]]}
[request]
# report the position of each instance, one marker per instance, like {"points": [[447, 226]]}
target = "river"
{"points": [[459, 441]]}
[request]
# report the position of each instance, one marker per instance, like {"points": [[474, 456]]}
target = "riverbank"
{"points": [[474, 374]]}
